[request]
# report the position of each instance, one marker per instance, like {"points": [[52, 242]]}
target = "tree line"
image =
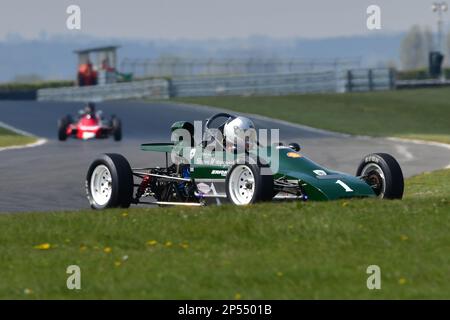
{"points": [[415, 47]]}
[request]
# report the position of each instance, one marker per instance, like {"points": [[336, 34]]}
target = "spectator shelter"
{"points": [[97, 65]]}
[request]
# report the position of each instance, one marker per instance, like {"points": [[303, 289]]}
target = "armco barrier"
{"points": [[239, 85], [18, 94], [157, 89], [369, 80], [265, 84], [423, 83]]}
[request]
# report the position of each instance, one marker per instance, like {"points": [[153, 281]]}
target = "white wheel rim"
{"points": [[370, 167], [241, 185], [101, 185]]}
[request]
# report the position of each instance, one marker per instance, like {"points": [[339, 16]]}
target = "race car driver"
{"points": [[89, 109], [240, 134]]}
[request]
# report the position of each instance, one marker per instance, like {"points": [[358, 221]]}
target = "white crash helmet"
{"points": [[239, 130]]}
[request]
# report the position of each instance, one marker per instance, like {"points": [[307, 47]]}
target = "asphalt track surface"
{"points": [[51, 176]]}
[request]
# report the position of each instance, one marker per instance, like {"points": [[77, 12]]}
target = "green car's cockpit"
{"points": [[221, 132]]}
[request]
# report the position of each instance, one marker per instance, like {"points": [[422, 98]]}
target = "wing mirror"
{"points": [[295, 146]]}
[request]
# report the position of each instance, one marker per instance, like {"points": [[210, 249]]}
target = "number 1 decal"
{"points": [[344, 185]]}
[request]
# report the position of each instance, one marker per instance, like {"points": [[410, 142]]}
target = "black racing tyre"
{"points": [[383, 173], [245, 184], [69, 119], [109, 182], [62, 127], [116, 128]]}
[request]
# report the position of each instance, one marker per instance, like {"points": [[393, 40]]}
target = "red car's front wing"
{"points": [[88, 132]]}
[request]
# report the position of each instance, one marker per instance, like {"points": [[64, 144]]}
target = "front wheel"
{"points": [[245, 184], [383, 173], [109, 182], [62, 128], [116, 128]]}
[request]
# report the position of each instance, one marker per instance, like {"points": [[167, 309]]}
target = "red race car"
{"points": [[89, 125]]}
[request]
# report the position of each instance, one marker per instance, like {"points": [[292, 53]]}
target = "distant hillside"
{"points": [[53, 58]]}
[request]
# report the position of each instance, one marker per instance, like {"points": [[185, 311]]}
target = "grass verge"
{"points": [[9, 138], [418, 114], [268, 251]]}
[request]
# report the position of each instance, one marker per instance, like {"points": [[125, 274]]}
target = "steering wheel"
{"points": [[217, 116]]}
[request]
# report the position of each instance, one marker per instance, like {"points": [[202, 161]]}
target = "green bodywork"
{"points": [[157, 147], [318, 182]]}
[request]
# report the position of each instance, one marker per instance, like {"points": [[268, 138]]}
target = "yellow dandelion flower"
{"points": [[237, 296], [404, 237], [344, 204], [124, 214], [401, 281], [168, 244], [27, 291], [107, 250], [152, 242], [117, 263], [43, 246], [184, 245]]}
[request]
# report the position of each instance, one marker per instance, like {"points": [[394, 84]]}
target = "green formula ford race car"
{"points": [[201, 172]]}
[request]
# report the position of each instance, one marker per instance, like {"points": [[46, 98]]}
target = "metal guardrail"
{"points": [[18, 94], [369, 80], [423, 83], [263, 84], [157, 89], [240, 85], [278, 84]]}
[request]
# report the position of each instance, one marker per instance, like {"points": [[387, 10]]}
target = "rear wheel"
{"points": [[109, 182], [245, 185], [383, 173], [116, 128]]}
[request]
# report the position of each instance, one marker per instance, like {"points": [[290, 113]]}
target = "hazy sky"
{"points": [[198, 19]]}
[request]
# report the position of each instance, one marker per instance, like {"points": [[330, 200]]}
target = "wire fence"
{"points": [[176, 67]]}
